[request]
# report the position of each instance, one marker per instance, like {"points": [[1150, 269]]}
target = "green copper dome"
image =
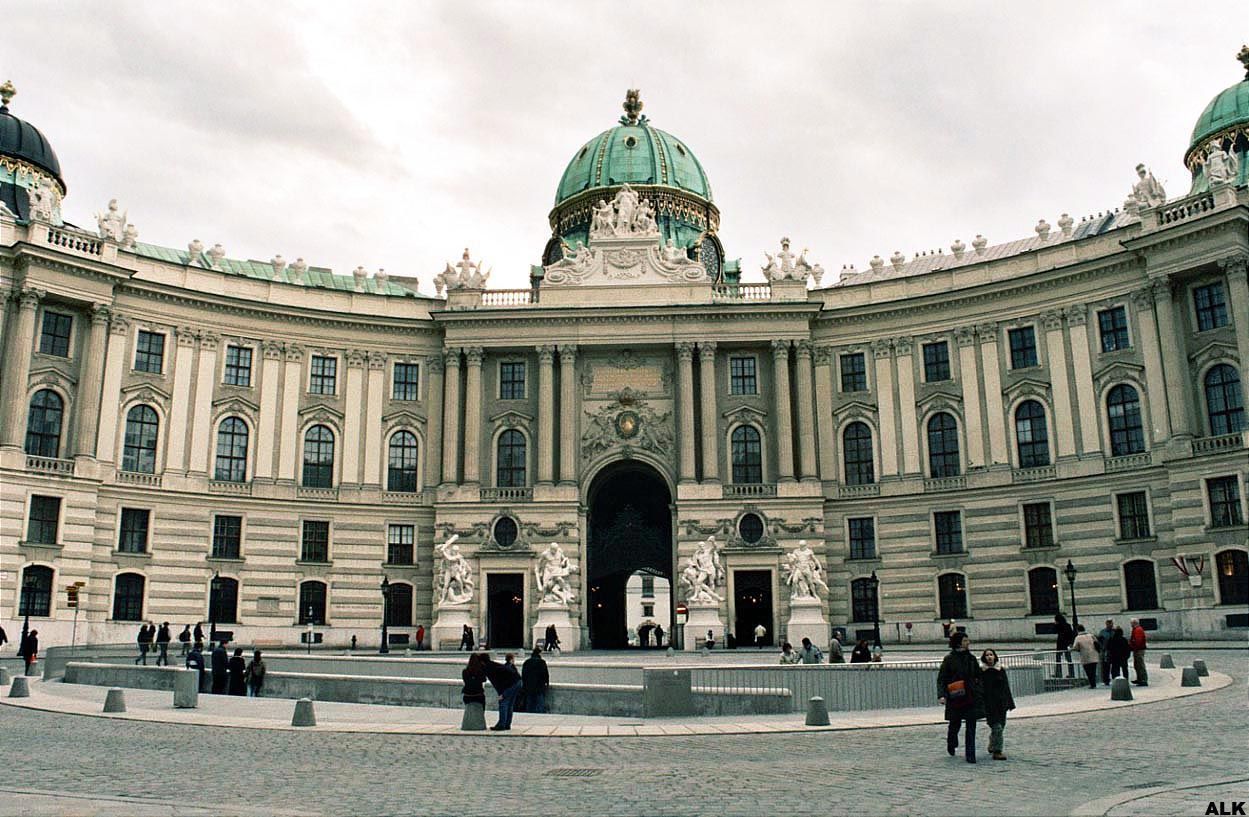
{"points": [[635, 153], [1227, 110], [1222, 127]]}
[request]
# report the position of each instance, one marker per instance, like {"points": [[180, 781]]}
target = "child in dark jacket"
{"points": [[997, 700]]}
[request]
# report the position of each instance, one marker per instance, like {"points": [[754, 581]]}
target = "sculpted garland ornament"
{"points": [[627, 420]]}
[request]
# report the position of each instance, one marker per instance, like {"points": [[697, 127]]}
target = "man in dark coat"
{"points": [[958, 688], [1064, 637], [505, 679], [195, 661], [28, 651], [220, 668], [536, 678], [1119, 650], [997, 701], [162, 643]]}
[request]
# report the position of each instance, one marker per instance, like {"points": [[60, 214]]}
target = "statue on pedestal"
{"points": [[803, 573], [455, 583], [552, 572], [1221, 165], [703, 573], [1148, 190], [112, 224]]}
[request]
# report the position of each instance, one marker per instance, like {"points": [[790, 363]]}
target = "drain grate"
{"points": [[570, 772]]}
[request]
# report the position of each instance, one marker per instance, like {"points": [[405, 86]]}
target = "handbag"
{"points": [[957, 693]]}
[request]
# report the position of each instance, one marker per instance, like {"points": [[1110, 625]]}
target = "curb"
{"points": [[1103, 805]]}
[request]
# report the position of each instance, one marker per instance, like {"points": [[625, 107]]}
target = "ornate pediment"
{"points": [[745, 414], [1212, 351], [145, 393], [404, 417], [512, 419], [321, 413], [855, 408], [52, 376], [940, 399], [1027, 387], [1119, 370], [626, 423], [235, 404]]}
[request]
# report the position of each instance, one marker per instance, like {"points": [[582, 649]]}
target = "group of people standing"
{"points": [[231, 675], [1105, 654], [525, 688]]}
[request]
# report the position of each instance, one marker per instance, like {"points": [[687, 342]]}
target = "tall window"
{"points": [[128, 597], [238, 366], [936, 361], [312, 603], [1224, 403], [862, 600], [1224, 496], [401, 465], [857, 454], [1133, 515], [35, 594], [400, 544], [862, 532], [407, 381], [1043, 591], [511, 459], [1022, 347], [742, 376], [227, 537], [747, 455], [1141, 585], [223, 606], [952, 596], [512, 380], [853, 372], [1031, 435], [231, 464], [399, 605], [54, 339], [948, 526], [43, 424], [149, 352], [314, 543], [133, 536], [1038, 525], [318, 457], [138, 452], [1211, 306], [45, 519], [1233, 569], [323, 378], [1123, 409], [648, 586], [943, 459], [1113, 326]]}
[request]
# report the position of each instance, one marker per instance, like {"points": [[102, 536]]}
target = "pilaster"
{"points": [[806, 420], [201, 418], [292, 388], [270, 374], [568, 414], [110, 391], [708, 404], [998, 422], [1082, 368], [685, 370], [434, 428], [904, 363], [451, 418], [1179, 385], [824, 413], [473, 356], [1236, 269], [969, 375], [784, 425], [1060, 384], [546, 414], [17, 368], [353, 405], [375, 395], [179, 411], [882, 353], [91, 379]]}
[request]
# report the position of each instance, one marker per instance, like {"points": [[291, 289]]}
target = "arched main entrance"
{"points": [[629, 524]]}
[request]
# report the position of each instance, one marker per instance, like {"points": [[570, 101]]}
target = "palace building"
{"points": [[186, 436]]}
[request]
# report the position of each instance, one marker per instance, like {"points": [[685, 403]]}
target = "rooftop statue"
{"points": [[632, 108], [785, 266], [43, 201], [465, 275], [1148, 190], [112, 224], [1221, 165], [625, 216]]}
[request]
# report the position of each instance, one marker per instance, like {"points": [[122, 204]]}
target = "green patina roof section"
{"points": [[634, 154], [1229, 108], [319, 277]]}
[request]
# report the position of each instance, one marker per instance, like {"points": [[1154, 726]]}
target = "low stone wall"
{"points": [[118, 675]]}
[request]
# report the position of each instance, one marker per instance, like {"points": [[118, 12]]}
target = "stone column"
{"points": [[375, 394], [175, 452], [292, 388], [1081, 367], [882, 352], [546, 415], [266, 433], [709, 404], [353, 403], [472, 415], [824, 412], [1147, 327], [1056, 344], [202, 441], [1236, 269], [110, 391], [806, 422], [17, 368], [568, 436], [434, 426], [1179, 384], [784, 424], [970, 376], [87, 413], [451, 418], [685, 376], [5, 295], [998, 422], [905, 365]]}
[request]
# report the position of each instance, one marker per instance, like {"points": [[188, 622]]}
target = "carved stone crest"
{"points": [[627, 420]]}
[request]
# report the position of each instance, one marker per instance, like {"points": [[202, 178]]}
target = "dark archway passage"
{"points": [[629, 529]]}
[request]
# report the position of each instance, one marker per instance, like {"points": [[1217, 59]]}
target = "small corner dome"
{"points": [[22, 141]]}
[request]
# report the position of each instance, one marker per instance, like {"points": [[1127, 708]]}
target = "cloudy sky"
{"points": [[395, 134]]}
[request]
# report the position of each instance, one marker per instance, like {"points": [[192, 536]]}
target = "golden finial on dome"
{"points": [[7, 92], [632, 107], [1243, 56]]}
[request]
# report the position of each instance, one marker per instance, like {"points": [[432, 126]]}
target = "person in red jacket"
{"points": [[1137, 643]]}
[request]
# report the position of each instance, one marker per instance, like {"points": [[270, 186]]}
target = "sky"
{"points": [[394, 135]]}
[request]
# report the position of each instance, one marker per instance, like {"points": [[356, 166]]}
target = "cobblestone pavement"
{"points": [[1057, 765]]}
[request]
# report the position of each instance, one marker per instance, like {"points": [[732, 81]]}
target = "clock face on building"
{"points": [[627, 423]]}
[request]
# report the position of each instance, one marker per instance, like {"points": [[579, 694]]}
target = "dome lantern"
{"points": [[1219, 145]]}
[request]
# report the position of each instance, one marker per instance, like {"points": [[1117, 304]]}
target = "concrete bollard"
{"points": [[186, 689], [1165, 662], [474, 719], [20, 688], [115, 700], [304, 716], [1190, 678], [817, 712], [1120, 689], [670, 652], [1200, 665]]}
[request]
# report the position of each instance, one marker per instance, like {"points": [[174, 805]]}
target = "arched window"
{"points": [[1233, 570], [747, 455], [312, 603], [1225, 405], [857, 454], [128, 597], [231, 463], [318, 457], [399, 605], [223, 600], [43, 424], [511, 459], [1043, 591], [862, 600], [35, 594], [401, 470], [1032, 435], [943, 459], [139, 451], [952, 596], [1123, 408], [1141, 585]]}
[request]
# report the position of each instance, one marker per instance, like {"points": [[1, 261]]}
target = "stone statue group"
{"points": [[626, 215], [704, 572], [455, 583]]}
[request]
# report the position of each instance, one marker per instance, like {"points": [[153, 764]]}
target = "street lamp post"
{"points": [[875, 585], [213, 587], [1070, 572], [385, 648], [28, 587], [308, 639]]}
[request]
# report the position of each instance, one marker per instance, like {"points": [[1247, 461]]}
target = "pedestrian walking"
{"points": [[535, 677], [184, 638], [162, 643], [810, 653], [997, 700], [861, 654], [761, 633], [1137, 643], [1062, 646], [420, 637], [1089, 650], [28, 651], [199, 635], [505, 679], [1119, 650], [1103, 639], [237, 669], [466, 638], [144, 640], [836, 655], [659, 635], [788, 656], [959, 690], [195, 661], [220, 669], [551, 637], [255, 675]]}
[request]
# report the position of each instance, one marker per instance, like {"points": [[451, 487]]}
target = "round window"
{"points": [[631, 141], [750, 528], [505, 532]]}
